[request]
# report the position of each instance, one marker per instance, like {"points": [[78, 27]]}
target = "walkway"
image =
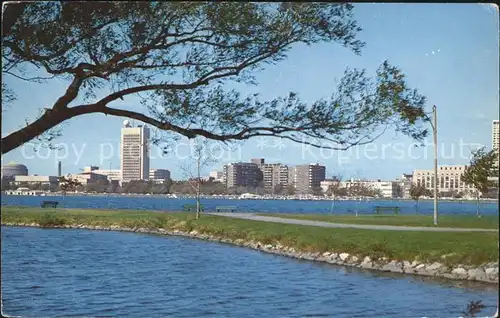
{"points": [[252, 216]]}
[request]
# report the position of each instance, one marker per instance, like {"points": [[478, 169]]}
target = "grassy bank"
{"points": [[485, 222], [459, 248]]}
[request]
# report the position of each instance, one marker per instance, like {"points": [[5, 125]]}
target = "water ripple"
{"points": [[90, 273]]}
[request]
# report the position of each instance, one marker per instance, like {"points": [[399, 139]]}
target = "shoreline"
{"points": [[487, 273]]}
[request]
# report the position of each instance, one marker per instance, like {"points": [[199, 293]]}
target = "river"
{"points": [[69, 272], [262, 206]]}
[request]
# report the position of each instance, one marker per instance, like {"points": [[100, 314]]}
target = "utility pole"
{"points": [[436, 181]]}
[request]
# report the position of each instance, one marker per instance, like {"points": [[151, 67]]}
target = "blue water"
{"points": [[57, 272], [262, 206]]}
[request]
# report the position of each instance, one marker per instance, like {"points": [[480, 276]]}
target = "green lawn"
{"points": [[485, 222], [463, 248]]}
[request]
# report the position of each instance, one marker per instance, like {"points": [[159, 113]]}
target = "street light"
{"points": [[436, 183]]}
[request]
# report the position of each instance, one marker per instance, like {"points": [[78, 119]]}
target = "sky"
{"points": [[449, 52]]}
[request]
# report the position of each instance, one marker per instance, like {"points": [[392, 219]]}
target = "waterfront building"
{"points": [[217, 176], [88, 177], [386, 189], [159, 175], [449, 178], [495, 140], [113, 175], [274, 174], [307, 177], [134, 159], [13, 169], [241, 174], [51, 181]]}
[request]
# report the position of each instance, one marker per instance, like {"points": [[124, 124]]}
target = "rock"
{"points": [[459, 271], [326, 254], [354, 259], [492, 270], [393, 266], [476, 274], [343, 256], [414, 264], [436, 267], [406, 264], [334, 256], [420, 267], [268, 247], [367, 263]]}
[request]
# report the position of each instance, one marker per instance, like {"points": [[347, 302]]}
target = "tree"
{"points": [[479, 173], [416, 191], [290, 189], [200, 159], [176, 59], [278, 189], [67, 184]]}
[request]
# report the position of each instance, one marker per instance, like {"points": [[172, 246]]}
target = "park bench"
{"points": [[225, 209], [380, 209], [51, 204], [191, 207]]}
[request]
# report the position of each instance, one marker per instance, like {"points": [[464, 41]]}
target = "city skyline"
{"points": [[455, 67]]}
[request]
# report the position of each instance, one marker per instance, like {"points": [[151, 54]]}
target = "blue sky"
{"points": [[449, 52]]}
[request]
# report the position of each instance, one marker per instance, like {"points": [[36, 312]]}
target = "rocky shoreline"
{"points": [[487, 273]]}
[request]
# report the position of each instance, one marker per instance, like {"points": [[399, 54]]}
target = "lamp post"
{"points": [[436, 181]]}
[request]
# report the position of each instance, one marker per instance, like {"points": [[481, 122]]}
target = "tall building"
{"points": [[59, 169], [241, 174], [449, 177], [134, 159], [307, 177], [274, 174], [496, 139], [386, 189]]}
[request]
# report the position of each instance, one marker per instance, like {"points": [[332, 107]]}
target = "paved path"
{"points": [[252, 216]]}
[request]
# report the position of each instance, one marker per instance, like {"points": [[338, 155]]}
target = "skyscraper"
{"points": [[134, 159]]}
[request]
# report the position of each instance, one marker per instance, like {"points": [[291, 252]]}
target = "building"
{"points": [[404, 185], [325, 184], [134, 161], [59, 169], [51, 181], [217, 176], [495, 140], [13, 169], [258, 161], [307, 177], [450, 179], [386, 189], [159, 175], [241, 174], [274, 174], [113, 175], [90, 168], [88, 177]]}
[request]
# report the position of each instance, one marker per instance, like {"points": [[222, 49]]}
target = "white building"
{"points": [[217, 176], [134, 159], [112, 174], [51, 181], [88, 177], [450, 179], [387, 189], [495, 138]]}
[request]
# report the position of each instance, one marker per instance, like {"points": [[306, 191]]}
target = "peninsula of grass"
{"points": [[467, 248], [456, 221]]}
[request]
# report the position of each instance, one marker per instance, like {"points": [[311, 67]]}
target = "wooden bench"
{"points": [[379, 209], [51, 204], [191, 207], [225, 209]]}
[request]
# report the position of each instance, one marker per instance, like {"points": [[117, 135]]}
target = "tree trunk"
{"points": [[198, 189], [477, 207], [416, 206]]}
